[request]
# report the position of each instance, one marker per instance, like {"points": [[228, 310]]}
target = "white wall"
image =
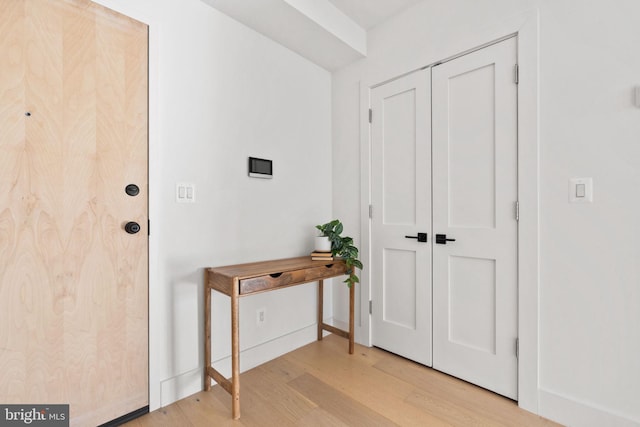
{"points": [[589, 277], [219, 93]]}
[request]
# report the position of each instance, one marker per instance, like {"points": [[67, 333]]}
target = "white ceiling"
{"points": [[369, 13], [330, 33]]}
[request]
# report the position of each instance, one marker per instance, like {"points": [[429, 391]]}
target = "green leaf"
{"points": [[342, 247]]}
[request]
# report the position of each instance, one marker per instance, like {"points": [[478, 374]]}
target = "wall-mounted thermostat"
{"points": [[260, 168]]}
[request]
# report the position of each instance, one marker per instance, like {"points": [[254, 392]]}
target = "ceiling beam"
{"points": [[315, 29]]}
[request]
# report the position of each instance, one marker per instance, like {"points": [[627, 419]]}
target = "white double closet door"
{"points": [[444, 163]]}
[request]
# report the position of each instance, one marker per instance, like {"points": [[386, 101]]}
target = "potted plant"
{"points": [[342, 247], [322, 243]]}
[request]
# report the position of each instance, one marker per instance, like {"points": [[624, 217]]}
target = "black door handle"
{"points": [[422, 237], [441, 239], [132, 227]]}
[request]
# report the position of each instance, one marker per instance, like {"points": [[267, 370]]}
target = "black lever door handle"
{"points": [[422, 237], [441, 239]]}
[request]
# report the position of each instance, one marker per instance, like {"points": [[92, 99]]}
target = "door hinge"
{"points": [[517, 347], [516, 73], [517, 211], [370, 211], [370, 307], [148, 227], [370, 115]]}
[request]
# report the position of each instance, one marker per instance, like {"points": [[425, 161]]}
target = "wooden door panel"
{"points": [[73, 284]]}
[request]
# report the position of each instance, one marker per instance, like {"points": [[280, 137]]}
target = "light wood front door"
{"points": [[401, 198], [73, 135], [475, 189]]}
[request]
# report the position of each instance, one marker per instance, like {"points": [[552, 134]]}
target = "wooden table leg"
{"points": [[207, 332], [320, 308], [235, 351], [352, 290]]}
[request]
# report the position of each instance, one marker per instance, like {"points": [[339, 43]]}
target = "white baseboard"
{"points": [[262, 353], [579, 414], [184, 385], [179, 387], [338, 324]]}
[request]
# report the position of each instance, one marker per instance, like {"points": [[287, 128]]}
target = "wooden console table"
{"points": [[247, 279]]}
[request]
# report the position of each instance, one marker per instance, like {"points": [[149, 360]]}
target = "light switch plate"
{"points": [[581, 190], [185, 193]]}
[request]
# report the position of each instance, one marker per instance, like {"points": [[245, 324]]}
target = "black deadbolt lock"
{"points": [[132, 190], [132, 227]]}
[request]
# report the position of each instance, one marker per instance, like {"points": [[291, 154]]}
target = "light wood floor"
{"points": [[322, 385]]}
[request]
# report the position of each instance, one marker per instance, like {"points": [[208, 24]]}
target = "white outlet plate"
{"points": [[581, 190], [261, 316]]}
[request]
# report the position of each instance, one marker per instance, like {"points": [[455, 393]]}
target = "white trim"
{"points": [[526, 26], [188, 383], [181, 386], [528, 226], [269, 350], [363, 328], [572, 412], [155, 178]]}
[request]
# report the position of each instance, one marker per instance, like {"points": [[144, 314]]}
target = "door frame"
{"points": [[525, 27]]}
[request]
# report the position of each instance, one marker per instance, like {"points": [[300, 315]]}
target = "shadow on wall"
{"points": [[182, 334]]}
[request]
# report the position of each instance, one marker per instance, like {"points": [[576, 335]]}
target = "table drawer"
{"points": [[329, 270], [270, 281]]}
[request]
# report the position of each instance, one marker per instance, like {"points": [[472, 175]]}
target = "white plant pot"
{"points": [[323, 244]]}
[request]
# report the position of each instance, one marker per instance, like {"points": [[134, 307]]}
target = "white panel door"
{"points": [[401, 199], [474, 193]]}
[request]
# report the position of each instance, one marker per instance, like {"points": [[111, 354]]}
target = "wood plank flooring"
{"points": [[322, 385]]}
